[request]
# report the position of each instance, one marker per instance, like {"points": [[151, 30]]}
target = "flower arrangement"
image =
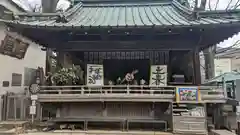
{"points": [[68, 76]]}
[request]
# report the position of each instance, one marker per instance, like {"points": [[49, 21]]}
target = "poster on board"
{"points": [[95, 76], [188, 94]]}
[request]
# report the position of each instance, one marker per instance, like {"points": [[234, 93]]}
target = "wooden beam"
{"points": [[148, 36], [128, 45]]}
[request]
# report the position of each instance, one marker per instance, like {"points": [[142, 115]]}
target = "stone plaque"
{"points": [[158, 75], [95, 75]]}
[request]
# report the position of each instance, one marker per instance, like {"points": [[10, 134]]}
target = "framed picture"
{"points": [[188, 94], [158, 75]]}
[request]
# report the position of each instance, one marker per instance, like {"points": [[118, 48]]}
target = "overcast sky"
{"points": [[27, 4]]}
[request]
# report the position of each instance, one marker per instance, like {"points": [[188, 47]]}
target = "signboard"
{"points": [[188, 94], [95, 76], [34, 97], [32, 110], [158, 75]]}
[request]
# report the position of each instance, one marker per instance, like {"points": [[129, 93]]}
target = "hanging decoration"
{"points": [[95, 76], [158, 75]]}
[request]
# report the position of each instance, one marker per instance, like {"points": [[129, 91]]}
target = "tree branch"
{"points": [[203, 4], [228, 4], [209, 5], [236, 5], [195, 4], [216, 4]]}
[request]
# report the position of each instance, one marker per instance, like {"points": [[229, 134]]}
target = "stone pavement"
{"points": [[97, 132]]}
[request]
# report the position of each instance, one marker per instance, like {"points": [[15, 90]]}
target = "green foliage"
{"points": [[68, 76]]}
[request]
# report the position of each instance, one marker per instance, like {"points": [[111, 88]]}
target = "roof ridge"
{"points": [[126, 4]]}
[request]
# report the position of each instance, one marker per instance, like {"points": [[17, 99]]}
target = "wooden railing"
{"points": [[208, 93], [118, 89]]}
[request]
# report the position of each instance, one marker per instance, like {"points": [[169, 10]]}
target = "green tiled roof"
{"points": [[130, 14]]}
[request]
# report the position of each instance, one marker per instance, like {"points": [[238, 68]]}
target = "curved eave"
{"points": [[16, 24], [122, 15]]}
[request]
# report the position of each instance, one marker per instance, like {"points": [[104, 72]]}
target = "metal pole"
{"points": [[224, 87], [32, 118], [32, 113]]}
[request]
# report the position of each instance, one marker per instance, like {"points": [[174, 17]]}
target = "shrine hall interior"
{"points": [[118, 63]]}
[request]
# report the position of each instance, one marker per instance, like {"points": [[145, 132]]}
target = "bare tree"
{"points": [[228, 5], [49, 6], [35, 8], [232, 5], [203, 4], [237, 4], [209, 5], [216, 5]]}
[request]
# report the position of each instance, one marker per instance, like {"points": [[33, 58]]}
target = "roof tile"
{"points": [[126, 14]]}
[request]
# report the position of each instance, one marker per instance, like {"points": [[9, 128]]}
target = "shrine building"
{"points": [[140, 62]]}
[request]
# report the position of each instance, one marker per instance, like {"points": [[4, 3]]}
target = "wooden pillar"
{"points": [[209, 54], [22, 108], [104, 109], [152, 112], [171, 113], [58, 112], [4, 107], [15, 107], [64, 60], [48, 68], [215, 115], [39, 111], [7, 108], [238, 127], [218, 119], [196, 67]]}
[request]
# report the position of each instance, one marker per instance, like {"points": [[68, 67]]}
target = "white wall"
{"points": [[222, 65], [34, 58], [236, 64]]}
